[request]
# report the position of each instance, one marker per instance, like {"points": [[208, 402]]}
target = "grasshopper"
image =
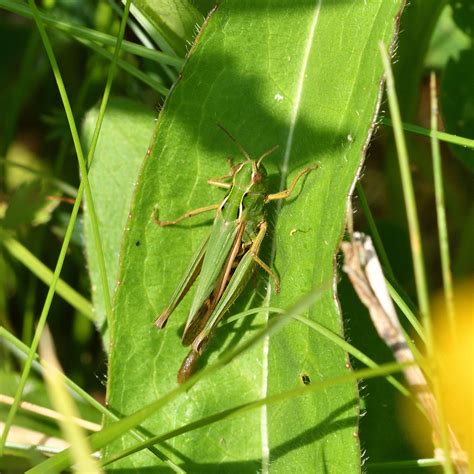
{"points": [[228, 256]]}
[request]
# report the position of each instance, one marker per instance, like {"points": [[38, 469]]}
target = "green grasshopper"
{"points": [[226, 258]]}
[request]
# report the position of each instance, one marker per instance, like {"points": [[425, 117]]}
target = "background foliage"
{"points": [[253, 95]]}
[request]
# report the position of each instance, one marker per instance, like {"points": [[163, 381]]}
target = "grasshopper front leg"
{"points": [[186, 215], [284, 194]]}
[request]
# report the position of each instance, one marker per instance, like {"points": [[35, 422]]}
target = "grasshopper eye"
{"points": [[257, 178]]}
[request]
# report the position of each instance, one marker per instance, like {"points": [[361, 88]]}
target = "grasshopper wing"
{"points": [[199, 321], [235, 286], [220, 242], [237, 283], [185, 284]]}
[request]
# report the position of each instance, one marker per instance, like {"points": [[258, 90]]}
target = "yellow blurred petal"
{"points": [[456, 362]]}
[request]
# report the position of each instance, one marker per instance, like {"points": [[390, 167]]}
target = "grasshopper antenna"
{"points": [[237, 143], [268, 152]]}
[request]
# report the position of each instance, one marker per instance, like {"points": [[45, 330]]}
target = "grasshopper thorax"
{"points": [[247, 194], [250, 177]]}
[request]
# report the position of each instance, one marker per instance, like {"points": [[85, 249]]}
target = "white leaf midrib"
{"points": [[284, 173]]}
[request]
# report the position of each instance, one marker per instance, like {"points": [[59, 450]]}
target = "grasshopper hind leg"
{"points": [[190, 362], [188, 367]]}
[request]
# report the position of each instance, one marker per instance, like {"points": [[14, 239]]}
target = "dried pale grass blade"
{"points": [[63, 403], [365, 272]]}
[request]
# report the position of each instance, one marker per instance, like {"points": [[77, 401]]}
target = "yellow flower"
{"points": [[455, 359]]}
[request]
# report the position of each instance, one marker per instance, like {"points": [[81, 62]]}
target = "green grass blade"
{"points": [[38, 268], [22, 351], [392, 284], [441, 136], [441, 212], [174, 21], [374, 233], [155, 38], [132, 70], [331, 336], [42, 318], [410, 204], [63, 403], [407, 312], [416, 244]]}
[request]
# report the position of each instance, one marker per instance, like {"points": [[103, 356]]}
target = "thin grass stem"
{"points": [[416, 244], [441, 212], [441, 136], [410, 204]]}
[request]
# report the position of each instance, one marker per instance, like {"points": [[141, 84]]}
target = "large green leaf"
{"points": [[122, 144], [304, 75]]}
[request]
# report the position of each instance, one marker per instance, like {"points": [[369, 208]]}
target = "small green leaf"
{"points": [[122, 144], [29, 205], [305, 76], [463, 15], [175, 20], [447, 41], [457, 102]]}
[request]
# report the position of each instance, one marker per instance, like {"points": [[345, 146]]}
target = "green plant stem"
{"points": [[410, 204], [69, 294], [399, 301], [136, 24], [407, 312], [425, 132], [446, 270], [374, 232], [156, 38], [83, 166], [441, 212]]}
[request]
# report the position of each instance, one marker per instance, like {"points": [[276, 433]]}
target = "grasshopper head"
{"points": [[250, 177]]}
